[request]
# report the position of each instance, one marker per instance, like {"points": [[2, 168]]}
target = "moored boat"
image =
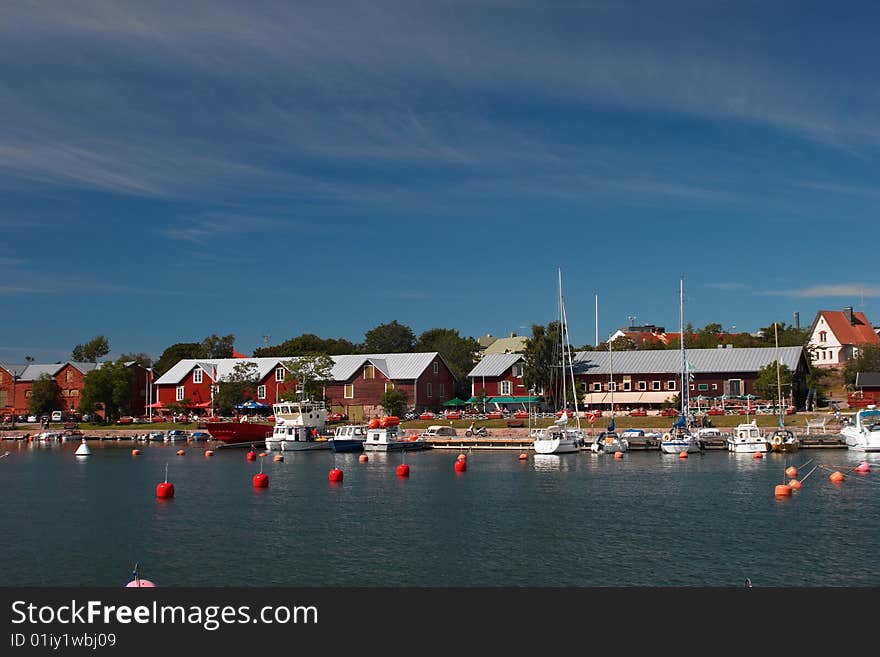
{"points": [[348, 438], [176, 436], [863, 434], [385, 435], [747, 439], [239, 432], [298, 427]]}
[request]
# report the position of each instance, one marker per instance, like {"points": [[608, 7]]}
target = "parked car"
{"points": [[56, 416], [31, 418], [638, 412], [125, 419]]}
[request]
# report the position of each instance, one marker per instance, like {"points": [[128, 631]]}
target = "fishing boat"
{"points": [[747, 439], [158, 436], [245, 431], [385, 435], [863, 434], [782, 439], [199, 436], [609, 441], [680, 438], [348, 438], [559, 438], [299, 426]]}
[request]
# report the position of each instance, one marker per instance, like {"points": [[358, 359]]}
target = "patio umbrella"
{"points": [[158, 404], [455, 401]]}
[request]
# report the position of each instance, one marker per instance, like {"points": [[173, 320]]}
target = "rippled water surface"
{"points": [[573, 520]]}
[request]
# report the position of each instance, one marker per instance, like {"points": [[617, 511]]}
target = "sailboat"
{"points": [[681, 437], [608, 441], [558, 438], [782, 439]]}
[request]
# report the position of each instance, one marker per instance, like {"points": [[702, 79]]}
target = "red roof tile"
{"points": [[861, 332]]}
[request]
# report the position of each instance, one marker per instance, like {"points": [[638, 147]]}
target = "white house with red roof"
{"points": [[837, 335]]}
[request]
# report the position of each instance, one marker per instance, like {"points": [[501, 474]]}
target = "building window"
{"points": [[655, 385], [670, 385], [179, 393], [643, 385], [369, 372], [74, 393], [436, 367], [430, 390], [823, 336], [517, 371], [612, 386], [389, 386], [714, 386], [703, 386], [27, 393], [692, 386], [584, 386], [443, 390], [69, 376], [597, 387], [197, 375], [504, 388], [261, 392], [627, 385], [279, 374], [349, 391]]}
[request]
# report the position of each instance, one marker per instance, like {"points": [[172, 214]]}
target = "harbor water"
{"points": [[578, 520]]}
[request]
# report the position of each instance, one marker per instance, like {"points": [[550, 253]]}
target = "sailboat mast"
{"points": [[778, 375], [684, 388], [567, 352], [562, 342]]}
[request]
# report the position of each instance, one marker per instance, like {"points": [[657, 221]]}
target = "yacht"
{"points": [[747, 439], [349, 438], [863, 434]]}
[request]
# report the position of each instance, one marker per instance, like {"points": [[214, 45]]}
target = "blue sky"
{"points": [[170, 170]]}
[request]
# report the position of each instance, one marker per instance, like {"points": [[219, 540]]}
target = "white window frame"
{"points": [[348, 391], [517, 371], [505, 388], [643, 386], [597, 386], [178, 393], [261, 392], [612, 386], [670, 385], [655, 385], [627, 386], [197, 375], [279, 374]]}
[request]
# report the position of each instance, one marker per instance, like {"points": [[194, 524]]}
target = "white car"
{"points": [[32, 418]]}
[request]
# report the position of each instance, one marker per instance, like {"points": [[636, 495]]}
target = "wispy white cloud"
{"points": [[727, 286], [835, 290]]}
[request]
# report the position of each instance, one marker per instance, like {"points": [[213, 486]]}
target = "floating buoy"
{"points": [[277, 458], [261, 454], [618, 455], [363, 458], [791, 471], [180, 452], [863, 467], [335, 475], [209, 452], [261, 480], [683, 454], [782, 490], [403, 470], [461, 457], [83, 449], [460, 465], [251, 456], [758, 455], [523, 456], [140, 583], [165, 490], [837, 476], [135, 452], [794, 483]]}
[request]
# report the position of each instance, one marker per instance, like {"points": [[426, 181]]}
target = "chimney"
{"points": [[797, 321], [848, 312]]}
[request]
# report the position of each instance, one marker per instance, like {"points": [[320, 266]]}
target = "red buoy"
{"points": [[863, 467], [165, 490], [795, 484], [261, 480], [461, 457], [363, 458], [209, 452], [618, 455], [683, 454], [836, 476], [251, 456], [523, 456], [758, 455], [403, 470], [336, 475], [278, 457], [180, 452], [135, 452], [460, 465], [782, 490], [791, 471]]}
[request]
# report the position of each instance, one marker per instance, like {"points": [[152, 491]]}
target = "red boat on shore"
{"points": [[233, 433]]}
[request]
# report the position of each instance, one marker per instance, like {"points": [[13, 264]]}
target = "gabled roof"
{"points": [[393, 366], [513, 344], [495, 364], [224, 367], [859, 332], [867, 379], [668, 361], [34, 371]]}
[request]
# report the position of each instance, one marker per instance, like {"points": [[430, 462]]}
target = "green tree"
{"points": [[868, 360], [44, 395], [393, 401], [175, 353], [309, 373], [307, 344], [110, 385], [236, 387], [542, 358], [458, 352], [765, 384], [91, 351], [215, 346], [391, 338], [145, 360]]}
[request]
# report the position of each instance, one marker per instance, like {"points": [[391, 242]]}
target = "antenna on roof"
{"points": [[632, 320], [266, 340]]}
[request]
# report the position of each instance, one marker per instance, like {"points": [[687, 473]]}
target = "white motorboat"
{"points": [[176, 436], [385, 435], [559, 438], [299, 426], [609, 442], [348, 438], [747, 439], [863, 434]]}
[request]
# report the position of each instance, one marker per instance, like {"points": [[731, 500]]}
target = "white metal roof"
{"points": [[495, 364], [394, 366], [224, 366], [663, 361]]}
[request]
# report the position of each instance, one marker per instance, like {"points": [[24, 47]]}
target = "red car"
{"points": [[639, 412], [669, 412], [714, 411], [494, 416], [336, 417], [427, 415], [453, 415]]}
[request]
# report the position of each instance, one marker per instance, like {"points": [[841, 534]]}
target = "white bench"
{"points": [[817, 423]]}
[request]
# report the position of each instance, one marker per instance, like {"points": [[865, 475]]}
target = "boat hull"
{"points": [[555, 446], [396, 446], [679, 446], [304, 445], [239, 432], [346, 445], [747, 448]]}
